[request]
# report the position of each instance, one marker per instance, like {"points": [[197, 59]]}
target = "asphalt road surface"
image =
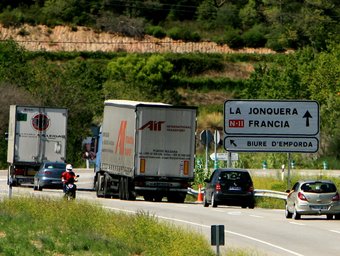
{"points": [[260, 231]]}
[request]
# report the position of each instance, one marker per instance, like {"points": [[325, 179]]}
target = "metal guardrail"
{"points": [[271, 193], [258, 193]]}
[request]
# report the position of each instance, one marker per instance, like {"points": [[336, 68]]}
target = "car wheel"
{"points": [[205, 202], [213, 201], [251, 205], [296, 215], [337, 216], [288, 214], [39, 187], [329, 216]]}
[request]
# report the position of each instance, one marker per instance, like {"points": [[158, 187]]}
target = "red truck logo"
{"points": [[40, 122], [153, 125], [124, 140]]}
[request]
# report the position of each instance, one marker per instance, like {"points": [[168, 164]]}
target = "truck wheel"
{"points": [[121, 189], [158, 198], [148, 197], [105, 186], [99, 184], [130, 193]]}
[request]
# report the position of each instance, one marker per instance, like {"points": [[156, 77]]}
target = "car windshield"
{"points": [[318, 187], [55, 166]]}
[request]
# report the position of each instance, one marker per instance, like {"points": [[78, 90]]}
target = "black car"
{"points": [[229, 187], [49, 176]]}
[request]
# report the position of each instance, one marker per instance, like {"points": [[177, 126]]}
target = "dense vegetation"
{"points": [[81, 81], [278, 25]]}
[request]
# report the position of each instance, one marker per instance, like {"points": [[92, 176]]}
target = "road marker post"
{"points": [[217, 237]]}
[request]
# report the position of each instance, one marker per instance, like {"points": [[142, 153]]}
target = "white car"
{"points": [[313, 197]]}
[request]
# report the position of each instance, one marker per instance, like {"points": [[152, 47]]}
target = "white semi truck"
{"points": [[35, 135], [145, 149]]}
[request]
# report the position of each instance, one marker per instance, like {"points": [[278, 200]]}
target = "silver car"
{"points": [[313, 197]]}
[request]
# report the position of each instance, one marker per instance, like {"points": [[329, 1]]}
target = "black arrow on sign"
{"points": [[307, 115], [232, 142]]}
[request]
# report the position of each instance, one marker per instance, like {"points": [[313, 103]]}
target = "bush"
{"points": [[232, 37], [254, 37], [132, 27], [193, 64], [155, 31], [11, 18], [184, 34]]}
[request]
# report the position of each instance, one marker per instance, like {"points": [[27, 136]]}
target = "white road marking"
{"points": [[181, 206], [209, 227], [335, 231], [256, 216], [296, 223], [218, 210], [235, 213]]}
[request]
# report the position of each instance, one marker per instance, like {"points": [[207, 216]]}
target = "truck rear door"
{"points": [[166, 141]]}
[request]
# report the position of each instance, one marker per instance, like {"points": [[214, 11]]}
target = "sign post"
{"points": [[217, 139], [206, 138]]}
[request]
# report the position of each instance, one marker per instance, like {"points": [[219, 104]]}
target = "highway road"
{"points": [[260, 231]]}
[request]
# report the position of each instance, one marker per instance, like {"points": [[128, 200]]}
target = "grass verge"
{"points": [[44, 226]]}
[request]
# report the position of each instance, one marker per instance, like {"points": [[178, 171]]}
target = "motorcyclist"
{"points": [[68, 176]]}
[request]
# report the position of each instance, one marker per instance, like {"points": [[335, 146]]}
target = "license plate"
{"points": [[158, 184], [235, 188], [318, 207]]}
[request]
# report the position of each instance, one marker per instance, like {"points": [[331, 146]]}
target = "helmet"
{"points": [[69, 167]]}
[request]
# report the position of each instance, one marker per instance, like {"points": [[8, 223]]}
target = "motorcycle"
{"points": [[70, 190]]}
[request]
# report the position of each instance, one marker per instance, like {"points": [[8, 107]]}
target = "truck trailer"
{"points": [[35, 135], [145, 149]]}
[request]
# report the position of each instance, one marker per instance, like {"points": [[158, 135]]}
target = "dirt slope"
{"points": [[62, 38]]}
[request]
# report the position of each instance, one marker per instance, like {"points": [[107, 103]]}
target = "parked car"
{"points": [[49, 176], [313, 197], [229, 187]]}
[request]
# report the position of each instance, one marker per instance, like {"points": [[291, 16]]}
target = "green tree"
{"points": [[250, 14], [11, 95], [13, 61], [75, 85], [140, 78], [323, 83], [206, 13], [305, 75]]}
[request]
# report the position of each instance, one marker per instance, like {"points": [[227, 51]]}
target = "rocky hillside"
{"points": [[62, 38]]}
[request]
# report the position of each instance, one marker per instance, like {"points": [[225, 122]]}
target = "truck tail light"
{"points": [[19, 171], [186, 167], [185, 184], [142, 165]]}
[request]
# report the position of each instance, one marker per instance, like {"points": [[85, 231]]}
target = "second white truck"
{"points": [[145, 149], [35, 135]]}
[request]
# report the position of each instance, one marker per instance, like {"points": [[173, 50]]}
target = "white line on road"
{"points": [[206, 226], [256, 216], [296, 223], [335, 231]]}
